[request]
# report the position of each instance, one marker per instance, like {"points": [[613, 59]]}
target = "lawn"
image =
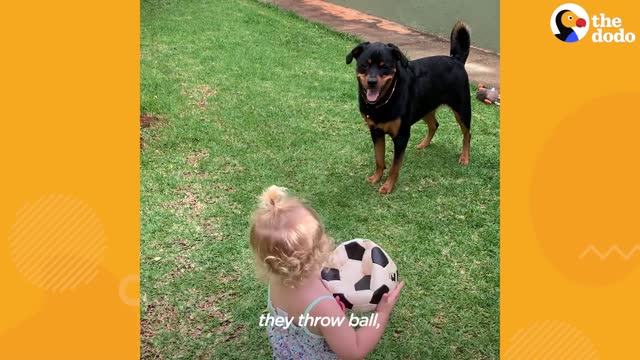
{"points": [[240, 95]]}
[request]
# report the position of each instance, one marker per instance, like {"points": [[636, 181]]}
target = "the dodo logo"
{"points": [[570, 22]]}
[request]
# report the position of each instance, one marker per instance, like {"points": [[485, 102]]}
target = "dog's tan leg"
{"points": [[378, 143], [388, 185], [466, 140], [433, 124], [399, 145]]}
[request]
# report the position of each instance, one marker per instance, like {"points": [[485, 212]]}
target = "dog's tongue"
{"points": [[372, 94]]}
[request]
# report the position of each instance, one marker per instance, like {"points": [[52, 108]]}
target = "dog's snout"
{"points": [[372, 81]]}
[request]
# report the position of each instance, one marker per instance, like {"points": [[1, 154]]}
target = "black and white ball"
{"points": [[360, 272]]}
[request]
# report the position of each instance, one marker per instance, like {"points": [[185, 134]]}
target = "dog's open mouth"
{"points": [[373, 94]]}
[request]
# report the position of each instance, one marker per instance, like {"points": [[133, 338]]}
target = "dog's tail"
{"points": [[460, 41]]}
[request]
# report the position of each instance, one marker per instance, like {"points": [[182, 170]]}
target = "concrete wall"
{"points": [[438, 16]]}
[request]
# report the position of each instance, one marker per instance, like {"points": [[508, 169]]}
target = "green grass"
{"points": [[250, 96]]}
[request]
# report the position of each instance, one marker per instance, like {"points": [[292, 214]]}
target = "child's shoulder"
{"points": [[323, 302]]}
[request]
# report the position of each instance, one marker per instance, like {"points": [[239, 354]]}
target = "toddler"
{"points": [[290, 245]]}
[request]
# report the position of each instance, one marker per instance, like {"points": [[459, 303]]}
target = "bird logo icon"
{"points": [[569, 23]]}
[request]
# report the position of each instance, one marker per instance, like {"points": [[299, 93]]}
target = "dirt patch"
{"points": [[182, 265], [225, 188], [152, 122], [147, 120], [195, 158], [191, 202], [229, 165], [235, 333], [211, 228], [191, 205], [199, 96], [198, 174], [184, 244], [210, 306], [226, 330], [188, 204], [438, 322], [227, 278], [160, 316], [147, 349]]}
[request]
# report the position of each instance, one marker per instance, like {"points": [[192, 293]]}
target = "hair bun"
{"points": [[272, 197]]}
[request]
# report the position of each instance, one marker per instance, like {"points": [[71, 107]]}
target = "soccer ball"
{"points": [[359, 272]]}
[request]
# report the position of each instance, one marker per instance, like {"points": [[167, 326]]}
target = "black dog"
{"points": [[395, 93]]}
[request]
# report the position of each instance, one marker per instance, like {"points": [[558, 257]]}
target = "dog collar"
{"points": [[393, 89]]}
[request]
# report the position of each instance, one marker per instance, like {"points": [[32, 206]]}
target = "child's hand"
{"points": [[341, 304], [389, 300]]}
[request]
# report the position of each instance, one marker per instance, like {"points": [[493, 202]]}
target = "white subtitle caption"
{"points": [[307, 320]]}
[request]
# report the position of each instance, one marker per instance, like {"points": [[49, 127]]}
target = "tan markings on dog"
{"points": [[368, 121], [381, 63], [363, 79], [386, 78], [432, 123], [390, 127], [379, 154], [466, 140], [388, 185], [386, 82]]}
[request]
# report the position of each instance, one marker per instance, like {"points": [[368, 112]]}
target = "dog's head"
{"points": [[376, 66]]}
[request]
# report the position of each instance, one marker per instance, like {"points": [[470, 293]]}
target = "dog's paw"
{"points": [[464, 160], [386, 188], [423, 144], [373, 179]]}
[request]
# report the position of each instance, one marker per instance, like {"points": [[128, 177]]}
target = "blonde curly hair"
{"points": [[287, 238]]}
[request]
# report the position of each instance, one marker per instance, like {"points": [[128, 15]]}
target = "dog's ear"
{"points": [[398, 55], [357, 51]]}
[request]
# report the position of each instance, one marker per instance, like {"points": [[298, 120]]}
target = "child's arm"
{"points": [[348, 343]]}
